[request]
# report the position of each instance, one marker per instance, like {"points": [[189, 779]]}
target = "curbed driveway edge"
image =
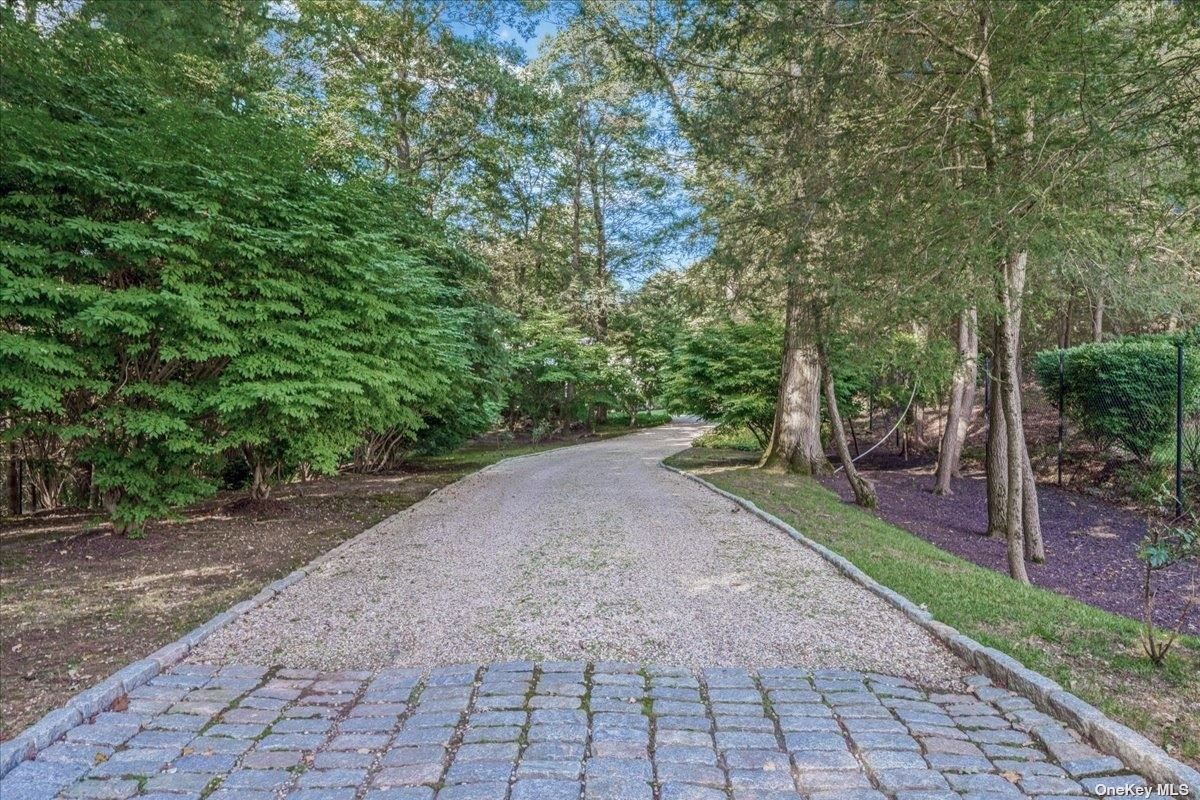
{"points": [[1134, 750], [101, 697]]}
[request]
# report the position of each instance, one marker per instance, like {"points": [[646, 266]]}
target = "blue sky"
{"points": [[546, 27], [682, 249]]}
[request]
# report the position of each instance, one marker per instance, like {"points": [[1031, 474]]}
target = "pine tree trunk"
{"points": [[962, 401], [1015, 530], [916, 416], [577, 201], [795, 444], [1064, 340], [1013, 466], [1007, 488], [864, 492], [597, 180], [968, 402], [996, 456], [1098, 318], [1031, 516]]}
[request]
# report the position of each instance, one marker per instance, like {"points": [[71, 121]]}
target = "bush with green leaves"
{"points": [[893, 369], [642, 419], [728, 373], [179, 281], [561, 376], [1122, 393]]}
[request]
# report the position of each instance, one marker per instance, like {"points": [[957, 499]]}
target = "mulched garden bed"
{"points": [[1091, 545]]}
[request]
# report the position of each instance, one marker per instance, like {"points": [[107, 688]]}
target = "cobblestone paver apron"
{"points": [[564, 731]]}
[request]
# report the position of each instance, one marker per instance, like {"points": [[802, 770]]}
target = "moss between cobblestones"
{"points": [[1090, 652], [211, 787]]}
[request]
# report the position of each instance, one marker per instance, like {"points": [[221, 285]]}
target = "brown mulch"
{"points": [[80, 602], [1091, 526], [1091, 544]]}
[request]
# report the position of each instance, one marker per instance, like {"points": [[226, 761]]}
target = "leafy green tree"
{"points": [[187, 284], [107, 278], [414, 90], [647, 326], [561, 375], [728, 373]]}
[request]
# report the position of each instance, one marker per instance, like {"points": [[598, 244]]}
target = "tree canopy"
{"points": [[325, 234]]}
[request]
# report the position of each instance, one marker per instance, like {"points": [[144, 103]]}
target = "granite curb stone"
{"points": [[101, 697], [1134, 750]]}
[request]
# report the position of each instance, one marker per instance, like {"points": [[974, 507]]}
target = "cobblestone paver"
{"points": [[563, 731]]}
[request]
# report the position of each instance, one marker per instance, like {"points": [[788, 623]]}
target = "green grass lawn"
{"points": [[1090, 652]]}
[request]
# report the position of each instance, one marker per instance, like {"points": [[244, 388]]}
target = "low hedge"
{"points": [[1122, 393]]}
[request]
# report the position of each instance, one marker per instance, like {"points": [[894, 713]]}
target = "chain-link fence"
{"points": [[1127, 417]]}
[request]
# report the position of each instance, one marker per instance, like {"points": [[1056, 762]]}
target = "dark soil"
{"points": [[265, 508], [80, 602], [1091, 545]]}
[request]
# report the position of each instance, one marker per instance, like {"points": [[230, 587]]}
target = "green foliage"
{"points": [[1121, 393], [728, 373], [560, 375], [643, 419], [1166, 544], [178, 282], [647, 327], [728, 438], [892, 368]]}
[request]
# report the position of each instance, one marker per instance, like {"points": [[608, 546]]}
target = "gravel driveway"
{"points": [[591, 552]]}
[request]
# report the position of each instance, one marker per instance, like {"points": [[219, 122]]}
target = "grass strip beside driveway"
{"points": [[1095, 654]]}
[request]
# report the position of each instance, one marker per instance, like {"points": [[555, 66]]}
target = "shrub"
{"points": [[179, 282], [728, 373], [643, 419], [1121, 393], [727, 438], [561, 376]]}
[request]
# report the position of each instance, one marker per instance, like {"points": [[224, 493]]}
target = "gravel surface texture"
{"points": [[591, 552]]}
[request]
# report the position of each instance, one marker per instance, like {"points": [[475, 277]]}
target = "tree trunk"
{"points": [[14, 480], [1064, 340], [996, 454], [1098, 318], [1017, 529], [1007, 470], [968, 401], [1031, 515], [795, 444], [916, 418], [577, 201], [916, 414], [864, 493], [962, 402], [110, 499], [46, 488], [597, 184], [260, 486]]}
